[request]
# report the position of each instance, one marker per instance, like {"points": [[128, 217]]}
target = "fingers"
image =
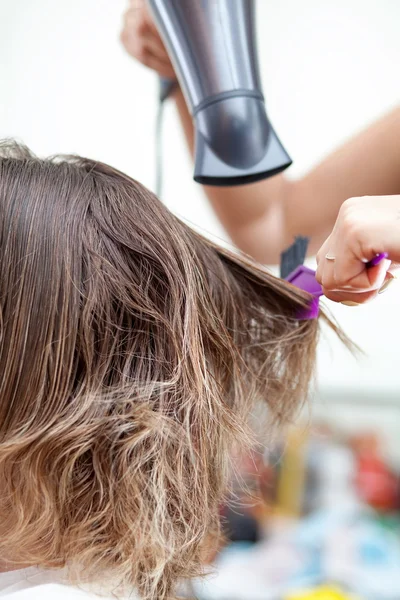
{"points": [[351, 281], [365, 227], [350, 298], [350, 273], [141, 40], [163, 69], [344, 276]]}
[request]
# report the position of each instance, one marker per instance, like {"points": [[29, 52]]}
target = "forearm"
{"points": [[252, 215], [263, 218], [367, 165]]}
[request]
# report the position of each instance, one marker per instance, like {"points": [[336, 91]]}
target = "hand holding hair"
{"points": [[365, 227]]}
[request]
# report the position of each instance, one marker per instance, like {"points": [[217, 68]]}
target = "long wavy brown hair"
{"points": [[132, 352]]}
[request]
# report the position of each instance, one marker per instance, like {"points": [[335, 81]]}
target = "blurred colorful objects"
{"points": [[376, 484], [322, 593], [343, 546], [314, 518]]}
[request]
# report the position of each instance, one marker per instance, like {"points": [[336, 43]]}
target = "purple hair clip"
{"points": [[294, 271], [304, 278]]}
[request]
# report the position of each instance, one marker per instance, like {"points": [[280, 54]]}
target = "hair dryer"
{"points": [[212, 45]]}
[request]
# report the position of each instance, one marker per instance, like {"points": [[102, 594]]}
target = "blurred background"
{"points": [[329, 69]]}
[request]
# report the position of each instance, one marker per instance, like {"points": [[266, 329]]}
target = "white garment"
{"points": [[37, 584]]}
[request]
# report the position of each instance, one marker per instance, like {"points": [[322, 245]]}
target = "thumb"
{"points": [[350, 272]]}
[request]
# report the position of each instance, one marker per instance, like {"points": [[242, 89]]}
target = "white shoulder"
{"points": [[50, 591]]}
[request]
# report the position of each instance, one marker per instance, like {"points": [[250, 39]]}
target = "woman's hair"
{"points": [[132, 352]]}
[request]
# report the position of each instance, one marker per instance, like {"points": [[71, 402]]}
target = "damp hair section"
{"points": [[132, 352]]}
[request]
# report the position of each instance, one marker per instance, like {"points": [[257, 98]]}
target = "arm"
{"points": [[251, 215], [263, 218]]}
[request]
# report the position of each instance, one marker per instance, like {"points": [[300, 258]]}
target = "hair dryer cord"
{"points": [[165, 90]]}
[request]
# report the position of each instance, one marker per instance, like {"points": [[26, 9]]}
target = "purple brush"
{"points": [[293, 270], [304, 278]]}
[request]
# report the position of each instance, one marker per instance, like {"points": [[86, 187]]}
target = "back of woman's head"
{"points": [[132, 350]]}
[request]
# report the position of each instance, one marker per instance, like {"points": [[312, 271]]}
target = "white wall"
{"points": [[329, 68]]}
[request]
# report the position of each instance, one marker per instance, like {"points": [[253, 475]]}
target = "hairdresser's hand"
{"points": [[142, 40], [365, 227]]}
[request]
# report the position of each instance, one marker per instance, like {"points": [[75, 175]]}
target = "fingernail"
{"points": [[386, 285], [350, 303]]}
